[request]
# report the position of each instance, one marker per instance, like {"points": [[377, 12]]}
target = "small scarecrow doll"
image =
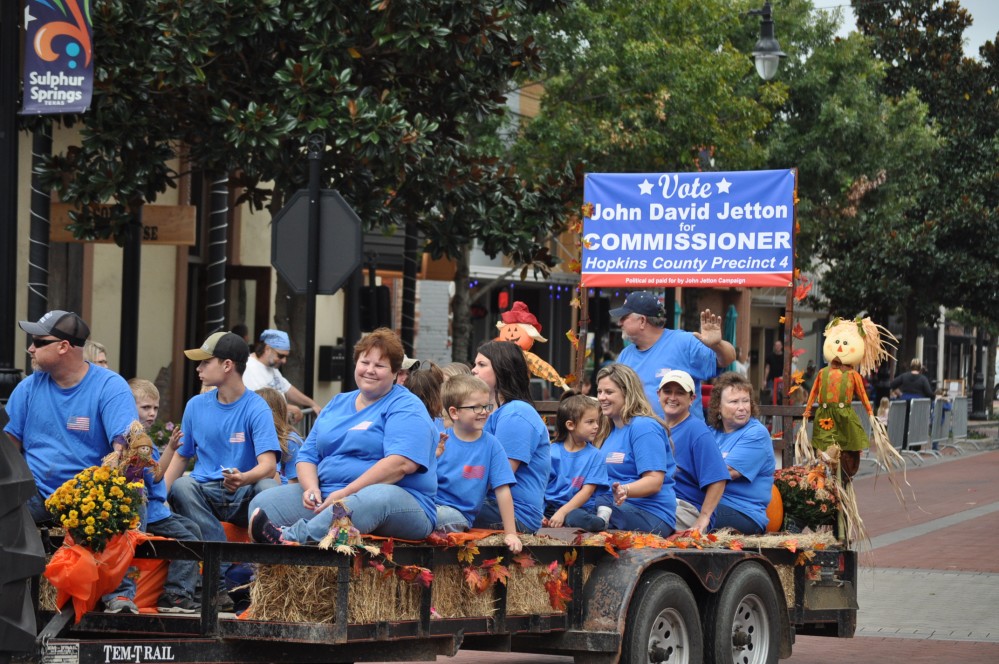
{"points": [[521, 327], [132, 461], [853, 349], [342, 536]]}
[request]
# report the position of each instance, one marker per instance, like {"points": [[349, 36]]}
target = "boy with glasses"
{"points": [[472, 462]]}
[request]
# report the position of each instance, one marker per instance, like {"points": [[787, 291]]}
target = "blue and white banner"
{"points": [[58, 56], [688, 229]]}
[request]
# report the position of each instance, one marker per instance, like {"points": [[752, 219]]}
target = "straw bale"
{"points": [[290, 593], [786, 575], [452, 598]]}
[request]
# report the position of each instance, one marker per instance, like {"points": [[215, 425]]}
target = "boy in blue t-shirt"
{"points": [[182, 575], [471, 462]]}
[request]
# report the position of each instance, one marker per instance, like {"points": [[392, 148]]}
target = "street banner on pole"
{"points": [[719, 229], [58, 57]]}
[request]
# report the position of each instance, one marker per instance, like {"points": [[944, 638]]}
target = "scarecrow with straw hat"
{"points": [[521, 327]]}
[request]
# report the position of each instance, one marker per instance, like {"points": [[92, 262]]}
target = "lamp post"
{"points": [[766, 53]]}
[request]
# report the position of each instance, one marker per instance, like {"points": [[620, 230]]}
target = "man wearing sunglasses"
{"points": [[67, 416], [263, 369]]}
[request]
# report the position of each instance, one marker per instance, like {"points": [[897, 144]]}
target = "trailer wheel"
{"points": [[741, 621], [663, 624]]}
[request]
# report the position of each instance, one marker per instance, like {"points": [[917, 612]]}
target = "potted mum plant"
{"points": [[808, 503]]}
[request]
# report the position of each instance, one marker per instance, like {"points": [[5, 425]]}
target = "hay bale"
{"points": [[452, 598], [786, 575], [289, 593]]}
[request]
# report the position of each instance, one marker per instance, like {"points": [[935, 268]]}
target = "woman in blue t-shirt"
{"points": [[748, 452], [371, 450], [639, 461], [517, 425]]}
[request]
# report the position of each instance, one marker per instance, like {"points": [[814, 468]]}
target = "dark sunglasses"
{"points": [[42, 343]]}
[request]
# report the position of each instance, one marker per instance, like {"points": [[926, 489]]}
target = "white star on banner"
{"points": [[723, 186], [645, 187]]}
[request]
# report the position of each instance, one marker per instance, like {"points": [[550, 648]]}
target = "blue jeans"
{"points": [[40, 515], [629, 517], [385, 510], [489, 517], [578, 518], [450, 520], [726, 517], [182, 575], [207, 504]]}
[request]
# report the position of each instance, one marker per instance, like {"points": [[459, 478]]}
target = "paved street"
{"points": [[929, 584]]}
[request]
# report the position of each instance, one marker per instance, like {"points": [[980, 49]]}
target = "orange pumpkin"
{"points": [[775, 511]]}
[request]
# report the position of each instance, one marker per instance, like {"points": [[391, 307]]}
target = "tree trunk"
{"points": [[910, 331], [461, 317]]}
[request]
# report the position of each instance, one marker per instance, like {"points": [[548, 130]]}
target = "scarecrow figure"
{"points": [[852, 348], [133, 460], [342, 536], [521, 327]]}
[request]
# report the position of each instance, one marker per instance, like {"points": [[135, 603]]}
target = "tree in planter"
{"points": [[396, 88]]}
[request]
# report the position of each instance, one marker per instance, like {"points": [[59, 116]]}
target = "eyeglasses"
{"points": [[478, 409], [42, 343]]}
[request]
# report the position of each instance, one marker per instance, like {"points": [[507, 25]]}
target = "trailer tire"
{"points": [[741, 621], [663, 624]]}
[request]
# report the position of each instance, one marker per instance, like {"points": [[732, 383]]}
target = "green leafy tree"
{"points": [[398, 89], [854, 148], [920, 42], [648, 85]]}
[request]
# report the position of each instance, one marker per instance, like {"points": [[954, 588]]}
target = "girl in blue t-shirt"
{"points": [[288, 438], [578, 469]]}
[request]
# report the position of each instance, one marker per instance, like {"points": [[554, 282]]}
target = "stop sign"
{"points": [[339, 242]]}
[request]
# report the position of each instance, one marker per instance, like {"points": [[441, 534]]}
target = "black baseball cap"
{"points": [[223, 345], [642, 303], [64, 325]]}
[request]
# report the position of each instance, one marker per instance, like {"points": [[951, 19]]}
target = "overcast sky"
{"points": [[984, 12]]}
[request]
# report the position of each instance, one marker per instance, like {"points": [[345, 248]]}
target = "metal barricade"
{"points": [[917, 437], [959, 426], [898, 412], [865, 422], [940, 427]]}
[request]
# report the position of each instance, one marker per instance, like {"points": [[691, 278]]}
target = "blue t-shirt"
{"points": [[467, 470], [525, 438], [345, 442], [676, 349], [638, 448], [63, 431], [751, 452], [571, 471], [227, 434], [156, 494], [699, 462], [288, 467]]}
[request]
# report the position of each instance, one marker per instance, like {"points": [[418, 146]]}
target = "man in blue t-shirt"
{"points": [[656, 350], [231, 432], [67, 416]]}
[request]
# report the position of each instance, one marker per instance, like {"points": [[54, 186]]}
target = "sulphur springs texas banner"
{"points": [[688, 229], [58, 56]]}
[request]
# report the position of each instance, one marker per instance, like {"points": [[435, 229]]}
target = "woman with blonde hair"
{"points": [[288, 438], [640, 465]]}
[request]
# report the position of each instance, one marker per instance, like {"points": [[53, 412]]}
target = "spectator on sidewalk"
{"points": [[95, 353], [913, 384], [263, 370]]}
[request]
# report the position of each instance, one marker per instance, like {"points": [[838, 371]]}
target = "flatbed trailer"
{"points": [[645, 605]]}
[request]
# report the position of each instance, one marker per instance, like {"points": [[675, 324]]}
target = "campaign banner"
{"points": [[58, 57], [688, 229]]}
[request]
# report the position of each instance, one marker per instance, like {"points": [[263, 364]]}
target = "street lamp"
{"points": [[766, 53]]}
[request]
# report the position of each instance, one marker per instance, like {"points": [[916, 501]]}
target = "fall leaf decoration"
{"points": [[798, 332], [556, 581], [791, 545], [573, 338], [467, 553], [802, 290], [587, 210], [574, 266], [804, 558], [735, 545]]}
